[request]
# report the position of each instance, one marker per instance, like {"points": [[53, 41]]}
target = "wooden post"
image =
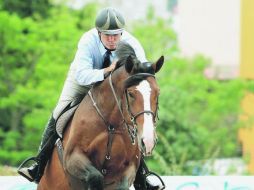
{"points": [[247, 39]]}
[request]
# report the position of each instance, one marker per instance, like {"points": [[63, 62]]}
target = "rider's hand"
{"points": [[110, 68]]}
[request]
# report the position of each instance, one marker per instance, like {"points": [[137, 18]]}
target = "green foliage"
{"points": [[34, 60], [18, 57], [196, 114], [13, 158], [157, 38], [38, 8]]}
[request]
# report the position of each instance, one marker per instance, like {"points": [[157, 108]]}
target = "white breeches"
{"points": [[70, 92]]}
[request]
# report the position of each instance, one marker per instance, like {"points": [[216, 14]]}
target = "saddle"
{"points": [[66, 115]]}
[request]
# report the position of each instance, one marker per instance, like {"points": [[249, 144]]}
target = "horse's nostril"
{"points": [[143, 146], [142, 142]]}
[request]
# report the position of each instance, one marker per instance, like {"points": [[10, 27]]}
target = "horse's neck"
{"points": [[106, 101]]}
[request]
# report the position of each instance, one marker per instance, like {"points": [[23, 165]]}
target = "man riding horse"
{"points": [[94, 59]]}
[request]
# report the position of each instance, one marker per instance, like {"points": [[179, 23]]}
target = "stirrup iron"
{"points": [[22, 166], [156, 175]]}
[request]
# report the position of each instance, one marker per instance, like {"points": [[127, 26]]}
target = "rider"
{"points": [[86, 69]]}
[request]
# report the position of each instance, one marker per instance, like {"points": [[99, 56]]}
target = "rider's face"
{"points": [[110, 41]]}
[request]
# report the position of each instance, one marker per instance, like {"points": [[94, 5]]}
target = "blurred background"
{"points": [[206, 107]]}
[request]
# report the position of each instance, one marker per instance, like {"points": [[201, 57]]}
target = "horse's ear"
{"points": [[129, 64], [157, 66]]}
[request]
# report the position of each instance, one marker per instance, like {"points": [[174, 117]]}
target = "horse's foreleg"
{"points": [[82, 174], [125, 180]]}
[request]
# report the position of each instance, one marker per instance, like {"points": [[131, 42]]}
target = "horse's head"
{"points": [[140, 100]]}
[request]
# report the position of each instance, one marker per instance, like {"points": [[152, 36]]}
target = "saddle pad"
{"points": [[63, 120]]}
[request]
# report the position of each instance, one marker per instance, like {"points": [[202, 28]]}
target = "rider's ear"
{"points": [[129, 64], [157, 66]]}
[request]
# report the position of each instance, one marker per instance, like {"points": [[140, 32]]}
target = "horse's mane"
{"points": [[124, 50]]}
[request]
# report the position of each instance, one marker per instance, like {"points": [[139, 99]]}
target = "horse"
{"points": [[113, 126]]}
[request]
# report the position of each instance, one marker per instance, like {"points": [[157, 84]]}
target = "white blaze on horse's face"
{"points": [[148, 135]]}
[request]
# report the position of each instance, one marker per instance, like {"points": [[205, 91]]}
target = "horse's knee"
{"points": [[80, 167], [76, 165]]}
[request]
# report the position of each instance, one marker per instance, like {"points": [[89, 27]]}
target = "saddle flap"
{"points": [[63, 120]]}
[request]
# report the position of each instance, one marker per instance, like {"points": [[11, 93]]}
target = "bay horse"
{"points": [[111, 129]]}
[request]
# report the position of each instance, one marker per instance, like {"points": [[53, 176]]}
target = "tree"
{"points": [[34, 60], [27, 8]]}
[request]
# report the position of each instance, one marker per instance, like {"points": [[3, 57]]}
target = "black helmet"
{"points": [[109, 21]]}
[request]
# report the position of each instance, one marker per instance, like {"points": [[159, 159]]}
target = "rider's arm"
{"points": [[84, 61]]}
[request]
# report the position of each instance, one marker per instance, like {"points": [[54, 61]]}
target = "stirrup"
{"points": [[22, 165], [162, 185]]}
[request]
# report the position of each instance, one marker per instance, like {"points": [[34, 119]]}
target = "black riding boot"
{"points": [[141, 182], [35, 171]]}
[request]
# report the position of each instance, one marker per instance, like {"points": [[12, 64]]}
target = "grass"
{"points": [[8, 171]]}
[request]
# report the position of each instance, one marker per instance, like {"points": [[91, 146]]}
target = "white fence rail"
{"points": [[172, 183]]}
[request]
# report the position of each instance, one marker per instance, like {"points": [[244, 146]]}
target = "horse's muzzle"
{"points": [[147, 145]]}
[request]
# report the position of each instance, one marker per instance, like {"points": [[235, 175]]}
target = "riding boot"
{"points": [[35, 171], [141, 182]]}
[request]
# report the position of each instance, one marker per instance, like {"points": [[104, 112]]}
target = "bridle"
{"points": [[133, 117], [131, 130]]}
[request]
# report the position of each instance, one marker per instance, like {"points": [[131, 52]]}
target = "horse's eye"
{"points": [[131, 95]]}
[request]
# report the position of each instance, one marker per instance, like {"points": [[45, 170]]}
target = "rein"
{"points": [[132, 132]]}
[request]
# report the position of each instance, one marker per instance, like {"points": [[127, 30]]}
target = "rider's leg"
{"points": [[141, 182], [35, 171]]}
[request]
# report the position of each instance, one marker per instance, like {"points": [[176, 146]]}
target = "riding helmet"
{"points": [[109, 21]]}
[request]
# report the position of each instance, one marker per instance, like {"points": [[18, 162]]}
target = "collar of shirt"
{"points": [[103, 50]]}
